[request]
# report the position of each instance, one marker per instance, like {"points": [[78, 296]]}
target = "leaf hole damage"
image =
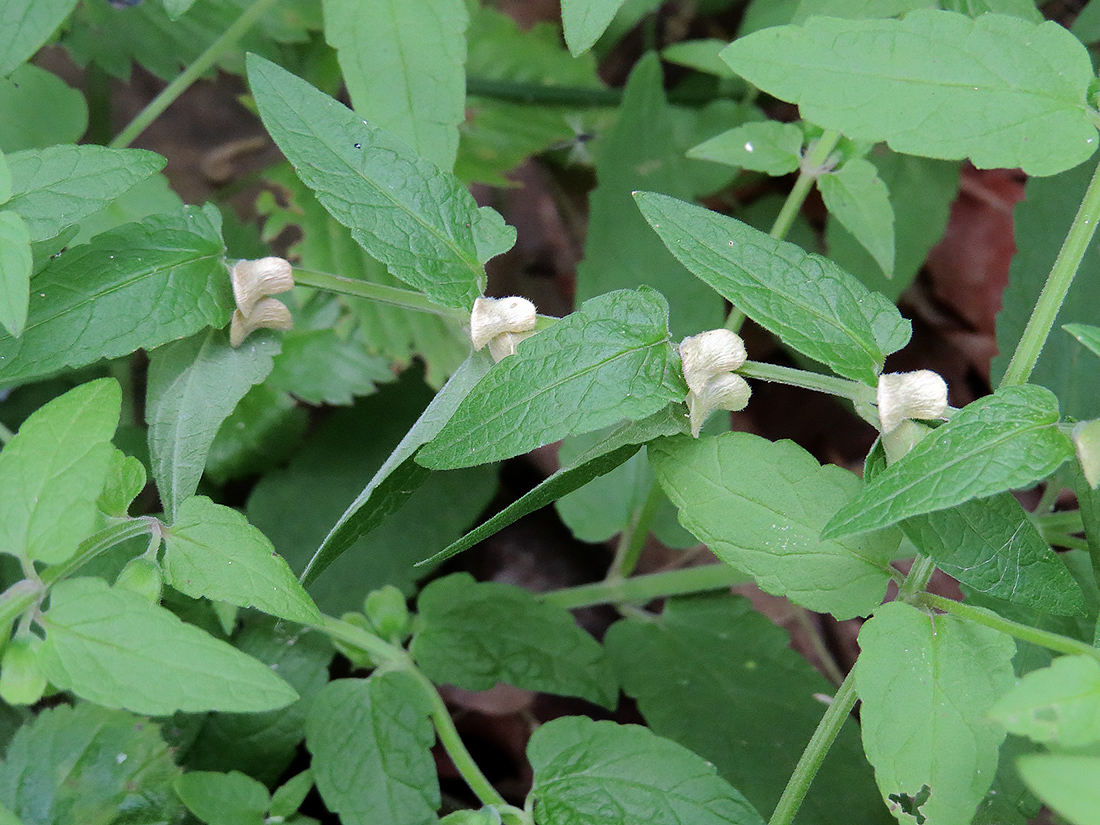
{"points": [[910, 805]]}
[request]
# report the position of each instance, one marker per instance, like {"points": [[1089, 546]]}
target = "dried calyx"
{"points": [[905, 395], [709, 360], [253, 284], [501, 323]]}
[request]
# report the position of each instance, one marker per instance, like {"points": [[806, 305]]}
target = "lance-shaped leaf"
{"points": [[1087, 334], [769, 146], [760, 506], [611, 774], [999, 90], [404, 68], [583, 21], [857, 197], [25, 25], [371, 742], [114, 648], [1056, 705], [54, 188], [212, 551], [927, 684], [53, 470], [474, 635], [808, 301], [1001, 442], [194, 385], [404, 210], [610, 453], [16, 263], [992, 546], [400, 475], [140, 285], [609, 360]]}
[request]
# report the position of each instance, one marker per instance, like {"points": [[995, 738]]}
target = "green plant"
{"points": [[161, 662]]}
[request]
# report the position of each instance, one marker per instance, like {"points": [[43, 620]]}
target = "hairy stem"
{"points": [[646, 588], [979, 615], [919, 576], [841, 387], [634, 535], [814, 754], [100, 542], [395, 296], [249, 17], [1058, 283], [813, 164]]}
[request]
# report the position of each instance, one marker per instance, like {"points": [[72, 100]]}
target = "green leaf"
{"points": [[403, 65], [620, 250], [760, 506], [114, 648], [259, 435], [212, 551], [371, 742], [138, 286], [263, 745], [754, 702], [927, 683], [125, 480], [289, 796], [320, 367], [858, 9], [999, 90], [768, 146], [5, 179], [1066, 783], [1040, 223], [1058, 705], [193, 386], [1087, 334], [15, 271], [609, 360], [808, 301], [223, 798], [992, 546], [53, 470], [403, 210], [585, 20], [603, 773], [25, 25], [54, 188], [474, 635], [1001, 442], [701, 55], [38, 109], [399, 475], [858, 198], [177, 8], [1087, 25], [87, 764], [1024, 9], [921, 193]]}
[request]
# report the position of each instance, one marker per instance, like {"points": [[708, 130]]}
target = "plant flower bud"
{"points": [[503, 345], [709, 353], [493, 317], [254, 280], [725, 391], [902, 395], [21, 678], [267, 314]]}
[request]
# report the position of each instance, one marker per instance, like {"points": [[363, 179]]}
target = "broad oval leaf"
{"points": [[474, 635], [945, 673], [999, 90], [223, 798], [1001, 442], [415, 218], [808, 301], [25, 25], [609, 360], [212, 551], [1056, 705], [16, 263], [53, 470], [760, 506], [603, 773], [583, 21], [371, 742], [140, 285], [193, 386], [54, 188], [1066, 782], [114, 648]]}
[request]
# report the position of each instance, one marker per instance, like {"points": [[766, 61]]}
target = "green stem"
{"points": [[1058, 283], [633, 537], [817, 644], [380, 651], [646, 588], [249, 17], [919, 576], [395, 296], [100, 542], [16, 599], [812, 757], [97, 87], [1066, 540], [573, 97], [811, 169], [6, 435], [841, 387], [982, 616], [1064, 521]]}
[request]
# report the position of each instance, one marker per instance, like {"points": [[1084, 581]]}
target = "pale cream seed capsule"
{"points": [[267, 314], [255, 280], [725, 391], [709, 353], [495, 316], [504, 344], [902, 395]]}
